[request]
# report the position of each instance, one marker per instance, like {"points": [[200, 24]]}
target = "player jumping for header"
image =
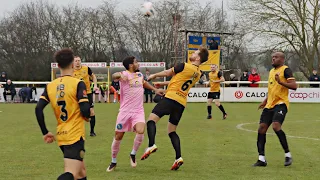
{"points": [[184, 77]]}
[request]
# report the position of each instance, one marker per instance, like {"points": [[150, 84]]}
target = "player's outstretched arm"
{"points": [[165, 83], [165, 73], [169, 72], [157, 91], [119, 76], [83, 100]]}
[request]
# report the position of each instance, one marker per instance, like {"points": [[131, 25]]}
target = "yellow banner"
{"points": [[214, 58]]}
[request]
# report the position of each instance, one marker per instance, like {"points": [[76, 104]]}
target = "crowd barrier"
{"points": [[228, 94]]}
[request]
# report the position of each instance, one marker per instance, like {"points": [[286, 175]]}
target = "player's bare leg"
{"points": [[219, 105], [92, 122], [283, 140], [151, 128], [83, 172], [115, 148], [261, 141], [175, 140], [74, 167], [139, 129], [209, 108]]}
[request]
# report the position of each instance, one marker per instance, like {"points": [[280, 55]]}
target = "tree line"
{"points": [[30, 34]]}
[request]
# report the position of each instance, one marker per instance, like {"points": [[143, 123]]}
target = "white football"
{"points": [[147, 9]]}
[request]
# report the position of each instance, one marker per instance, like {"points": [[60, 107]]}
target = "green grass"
{"points": [[212, 149]]}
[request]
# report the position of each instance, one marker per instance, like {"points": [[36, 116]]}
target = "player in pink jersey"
{"points": [[131, 114]]}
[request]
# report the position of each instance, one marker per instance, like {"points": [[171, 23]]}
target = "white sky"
{"points": [[9, 5]]}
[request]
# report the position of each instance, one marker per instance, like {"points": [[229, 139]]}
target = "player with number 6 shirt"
{"points": [[173, 104]]}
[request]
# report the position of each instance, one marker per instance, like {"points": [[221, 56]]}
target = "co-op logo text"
{"points": [[304, 95], [240, 94]]}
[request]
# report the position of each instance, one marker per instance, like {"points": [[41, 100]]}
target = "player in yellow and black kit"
{"points": [[184, 77], [215, 77], [276, 106], [84, 73], [68, 98]]}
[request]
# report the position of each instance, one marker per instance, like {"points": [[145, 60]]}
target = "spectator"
{"points": [[147, 92], [233, 78], [114, 89], [26, 93], [213, 45], [244, 77], [203, 78], [9, 89], [3, 78], [314, 77], [254, 77]]}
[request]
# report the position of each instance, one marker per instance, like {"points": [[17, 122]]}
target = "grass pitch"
{"points": [[211, 149]]}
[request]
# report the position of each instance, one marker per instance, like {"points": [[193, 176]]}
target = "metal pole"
{"points": [[221, 38], [186, 44]]}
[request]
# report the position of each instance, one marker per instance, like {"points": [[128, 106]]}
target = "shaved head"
{"points": [[278, 58]]}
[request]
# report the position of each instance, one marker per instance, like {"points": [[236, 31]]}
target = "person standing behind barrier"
{"points": [[254, 77], [244, 77], [115, 88], [314, 77], [233, 78], [3, 78], [104, 92], [9, 89], [147, 92]]}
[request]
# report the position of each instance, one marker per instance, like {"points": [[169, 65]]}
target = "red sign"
{"points": [[238, 94]]}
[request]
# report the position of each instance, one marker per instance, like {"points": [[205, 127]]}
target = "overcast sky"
{"points": [[9, 5]]}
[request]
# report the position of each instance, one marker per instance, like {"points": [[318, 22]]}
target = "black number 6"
{"points": [[186, 85], [64, 112]]}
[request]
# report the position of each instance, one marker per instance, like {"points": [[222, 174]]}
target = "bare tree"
{"points": [[24, 42], [292, 25], [35, 30]]}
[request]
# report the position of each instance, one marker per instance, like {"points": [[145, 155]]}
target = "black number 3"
{"points": [[64, 113], [186, 85]]}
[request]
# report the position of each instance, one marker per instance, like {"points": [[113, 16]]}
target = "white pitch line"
{"points": [[239, 126]]}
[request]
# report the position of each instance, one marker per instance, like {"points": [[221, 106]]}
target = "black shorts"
{"points": [[214, 95], [74, 151], [169, 107], [90, 98], [275, 114], [157, 98]]}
